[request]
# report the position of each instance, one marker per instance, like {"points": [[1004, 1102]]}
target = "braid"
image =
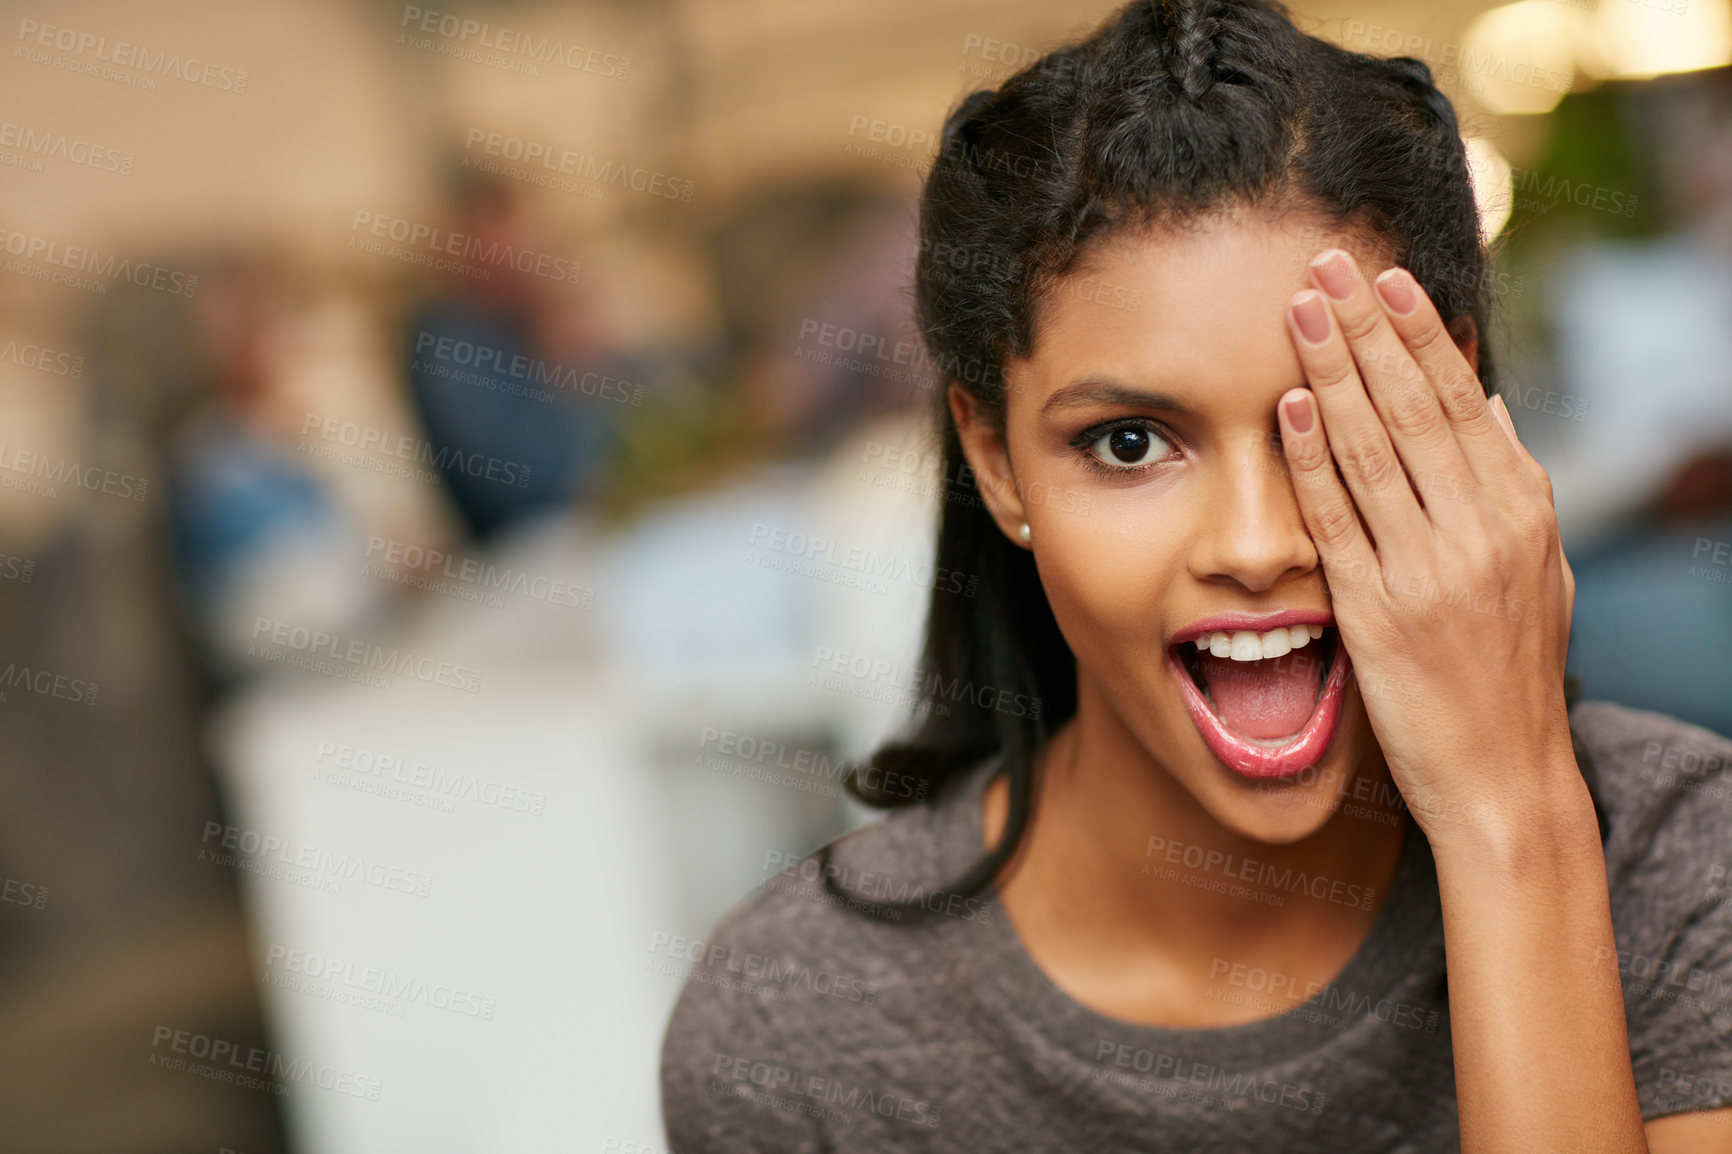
{"points": [[1415, 76], [1191, 29], [957, 123]]}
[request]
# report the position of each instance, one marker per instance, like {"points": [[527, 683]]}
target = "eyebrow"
{"points": [[1100, 391]]}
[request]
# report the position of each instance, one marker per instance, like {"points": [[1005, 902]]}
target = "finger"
{"points": [[1459, 391], [1329, 514], [1403, 397], [1500, 413], [1569, 598], [1356, 435], [1535, 470]]}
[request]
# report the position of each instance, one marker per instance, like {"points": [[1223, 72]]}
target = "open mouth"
{"points": [[1265, 700]]}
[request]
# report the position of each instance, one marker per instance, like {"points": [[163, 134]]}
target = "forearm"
{"points": [[1542, 1058]]}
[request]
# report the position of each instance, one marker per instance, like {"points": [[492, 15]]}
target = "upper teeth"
{"points": [[1243, 645]]}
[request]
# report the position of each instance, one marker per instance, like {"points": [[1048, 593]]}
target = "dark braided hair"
{"points": [[1171, 109], [1191, 30]]}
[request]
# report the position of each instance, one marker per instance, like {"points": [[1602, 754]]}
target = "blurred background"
{"points": [[445, 451]]}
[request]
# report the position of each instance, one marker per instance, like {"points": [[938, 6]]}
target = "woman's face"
{"points": [[1140, 446]]}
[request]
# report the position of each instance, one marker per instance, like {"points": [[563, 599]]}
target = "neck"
{"points": [[1122, 864]]}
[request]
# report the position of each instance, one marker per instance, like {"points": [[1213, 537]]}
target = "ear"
{"points": [[989, 457], [1466, 335]]}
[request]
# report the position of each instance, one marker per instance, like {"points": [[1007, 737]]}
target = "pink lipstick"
{"points": [[1264, 690]]}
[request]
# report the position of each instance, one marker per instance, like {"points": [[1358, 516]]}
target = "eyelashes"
{"points": [[1128, 446]]}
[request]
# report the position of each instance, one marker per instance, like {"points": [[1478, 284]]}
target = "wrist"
{"points": [[1549, 824]]}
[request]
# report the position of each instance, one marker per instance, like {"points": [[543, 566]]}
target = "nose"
{"points": [[1252, 534]]}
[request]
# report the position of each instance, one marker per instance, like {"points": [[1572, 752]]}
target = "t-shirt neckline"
{"points": [[1409, 921]]}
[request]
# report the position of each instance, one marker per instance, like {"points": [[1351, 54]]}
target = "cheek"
{"points": [[1107, 576]]}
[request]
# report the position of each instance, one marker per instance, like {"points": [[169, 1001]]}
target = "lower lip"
{"points": [[1260, 760]]}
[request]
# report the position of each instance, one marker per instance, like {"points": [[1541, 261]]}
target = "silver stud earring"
{"points": [[1023, 532]]}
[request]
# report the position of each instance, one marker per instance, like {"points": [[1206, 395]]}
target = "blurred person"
{"points": [[1247, 806], [816, 345], [829, 341], [509, 375], [256, 532]]}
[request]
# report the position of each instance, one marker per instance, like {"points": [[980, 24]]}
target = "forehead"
{"points": [[1200, 301]]}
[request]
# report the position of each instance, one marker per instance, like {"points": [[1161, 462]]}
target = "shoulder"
{"points": [[1637, 737], [1667, 789], [1666, 784], [796, 976]]}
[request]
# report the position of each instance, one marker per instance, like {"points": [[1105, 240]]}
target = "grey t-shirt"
{"points": [[808, 1026]]}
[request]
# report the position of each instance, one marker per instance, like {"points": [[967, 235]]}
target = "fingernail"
{"points": [[1502, 410], [1311, 318], [1334, 271], [1395, 286], [1298, 412]]}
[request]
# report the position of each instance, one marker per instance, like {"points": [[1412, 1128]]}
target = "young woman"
{"points": [[1255, 816]]}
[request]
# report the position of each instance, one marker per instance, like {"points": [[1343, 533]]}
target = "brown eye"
{"points": [[1130, 445]]}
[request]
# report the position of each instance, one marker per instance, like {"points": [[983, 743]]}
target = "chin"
{"points": [[1277, 808]]}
